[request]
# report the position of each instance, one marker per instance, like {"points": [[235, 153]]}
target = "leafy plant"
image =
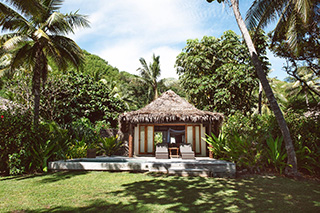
{"points": [[239, 149], [109, 145], [218, 145], [217, 73], [245, 152], [16, 133], [276, 153], [77, 149], [55, 146], [306, 158], [83, 130], [16, 165]]}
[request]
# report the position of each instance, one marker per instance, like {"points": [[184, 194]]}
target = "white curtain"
{"points": [[173, 131]]}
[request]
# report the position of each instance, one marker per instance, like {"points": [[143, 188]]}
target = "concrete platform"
{"points": [[198, 167]]}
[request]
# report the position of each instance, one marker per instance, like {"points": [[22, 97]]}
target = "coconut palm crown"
{"points": [[150, 74], [34, 31], [292, 16]]}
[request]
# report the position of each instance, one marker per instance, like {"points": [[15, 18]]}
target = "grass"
{"points": [[136, 192]]}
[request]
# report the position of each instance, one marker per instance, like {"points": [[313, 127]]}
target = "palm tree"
{"points": [[292, 159], [294, 17], [263, 105], [35, 32], [305, 82], [150, 74]]}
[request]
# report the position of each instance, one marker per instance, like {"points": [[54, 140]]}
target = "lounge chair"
{"points": [[162, 151], [186, 151]]}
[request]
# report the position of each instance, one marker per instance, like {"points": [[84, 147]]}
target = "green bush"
{"points": [[109, 146], [25, 148], [16, 166], [67, 98], [305, 133], [53, 147], [77, 149], [16, 133], [253, 142], [83, 130]]}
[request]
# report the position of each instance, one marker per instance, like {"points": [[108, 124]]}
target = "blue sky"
{"points": [[122, 31]]}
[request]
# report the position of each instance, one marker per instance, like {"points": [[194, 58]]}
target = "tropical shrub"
{"points": [[74, 96], [26, 148], [276, 153], [253, 142], [15, 134], [305, 133], [68, 97], [110, 145], [83, 130], [53, 147], [240, 149], [77, 149], [218, 145]]}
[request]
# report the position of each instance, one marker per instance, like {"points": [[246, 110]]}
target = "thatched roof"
{"points": [[170, 107]]}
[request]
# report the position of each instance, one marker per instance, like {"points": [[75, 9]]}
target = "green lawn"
{"points": [[136, 192]]}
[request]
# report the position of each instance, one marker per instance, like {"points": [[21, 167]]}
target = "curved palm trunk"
{"points": [[292, 160], [260, 98]]}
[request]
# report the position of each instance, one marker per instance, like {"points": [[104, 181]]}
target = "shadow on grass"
{"points": [[48, 177], [58, 176], [22, 177], [97, 205], [197, 194]]}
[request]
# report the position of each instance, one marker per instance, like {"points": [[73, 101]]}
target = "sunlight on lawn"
{"points": [[114, 192]]}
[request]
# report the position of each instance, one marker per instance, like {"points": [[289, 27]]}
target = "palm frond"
{"points": [[11, 20], [304, 8], [64, 50], [144, 71], [24, 55], [53, 5], [41, 35], [155, 67], [30, 8], [58, 23], [12, 43], [282, 26], [262, 12], [76, 20]]}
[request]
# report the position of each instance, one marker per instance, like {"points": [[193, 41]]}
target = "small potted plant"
{"points": [[91, 151]]}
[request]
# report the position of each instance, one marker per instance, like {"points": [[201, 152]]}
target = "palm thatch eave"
{"points": [[170, 108]]}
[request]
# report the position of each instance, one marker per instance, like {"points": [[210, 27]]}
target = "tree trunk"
{"points": [[36, 84], [307, 99], [36, 93], [260, 98], [292, 160], [155, 92]]}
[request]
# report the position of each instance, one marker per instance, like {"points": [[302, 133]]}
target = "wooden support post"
{"points": [[210, 130], [130, 141]]}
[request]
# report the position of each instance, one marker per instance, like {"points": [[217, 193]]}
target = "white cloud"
{"points": [[122, 31]]}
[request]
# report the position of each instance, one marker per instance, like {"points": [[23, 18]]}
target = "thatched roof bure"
{"points": [[169, 108]]}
